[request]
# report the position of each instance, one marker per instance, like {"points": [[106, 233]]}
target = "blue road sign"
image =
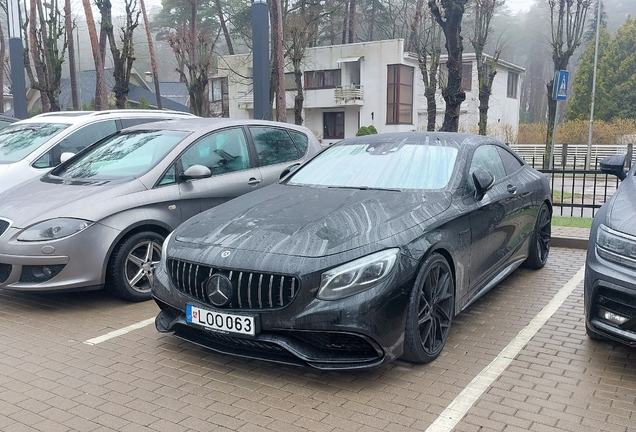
{"points": [[560, 86]]}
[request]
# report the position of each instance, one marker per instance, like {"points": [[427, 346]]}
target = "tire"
{"points": [[430, 311], [539, 248], [131, 267]]}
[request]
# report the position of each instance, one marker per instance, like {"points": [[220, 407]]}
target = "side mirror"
{"points": [[614, 165], [66, 156], [483, 182], [196, 172], [290, 169]]}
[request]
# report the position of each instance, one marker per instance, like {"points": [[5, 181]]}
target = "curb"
{"points": [[569, 242]]}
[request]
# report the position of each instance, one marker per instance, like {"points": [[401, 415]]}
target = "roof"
{"points": [[452, 138], [86, 92], [194, 123]]}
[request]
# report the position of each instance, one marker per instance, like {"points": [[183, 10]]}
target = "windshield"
{"points": [[380, 166], [123, 155], [17, 141]]}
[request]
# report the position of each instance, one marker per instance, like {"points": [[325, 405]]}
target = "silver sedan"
{"points": [[99, 219]]}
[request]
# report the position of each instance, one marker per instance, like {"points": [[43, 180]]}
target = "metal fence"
{"points": [[577, 190]]}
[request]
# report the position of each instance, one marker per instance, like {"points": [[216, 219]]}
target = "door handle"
{"points": [[512, 188], [253, 181]]}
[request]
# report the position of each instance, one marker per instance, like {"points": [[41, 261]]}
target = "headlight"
{"points": [[357, 276], [162, 259], [54, 229], [616, 247]]}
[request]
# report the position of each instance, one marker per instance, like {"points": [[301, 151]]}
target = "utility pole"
{"points": [[260, 59], [18, 83], [593, 96]]}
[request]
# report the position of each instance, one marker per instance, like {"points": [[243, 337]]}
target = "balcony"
{"points": [[349, 95], [245, 100]]}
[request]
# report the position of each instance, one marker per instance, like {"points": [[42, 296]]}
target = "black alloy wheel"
{"points": [[430, 312], [540, 242]]}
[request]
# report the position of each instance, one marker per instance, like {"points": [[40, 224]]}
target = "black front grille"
{"points": [[3, 226], [260, 291], [5, 271], [35, 274]]}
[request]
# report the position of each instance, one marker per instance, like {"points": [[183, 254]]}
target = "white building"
{"points": [[375, 83]]}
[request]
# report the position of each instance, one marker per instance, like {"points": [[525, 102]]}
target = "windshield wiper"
{"points": [[365, 188]]}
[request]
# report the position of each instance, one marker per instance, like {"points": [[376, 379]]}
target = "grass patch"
{"points": [[576, 222]]}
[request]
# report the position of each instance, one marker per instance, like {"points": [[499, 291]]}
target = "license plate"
{"points": [[221, 322]]}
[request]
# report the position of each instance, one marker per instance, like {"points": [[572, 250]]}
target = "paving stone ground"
{"points": [[50, 380]]}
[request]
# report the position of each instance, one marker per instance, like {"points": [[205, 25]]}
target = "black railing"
{"points": [[576, 189]]}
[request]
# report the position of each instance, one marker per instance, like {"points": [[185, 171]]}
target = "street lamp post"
{"points": [[260, 58], [18, 84]]}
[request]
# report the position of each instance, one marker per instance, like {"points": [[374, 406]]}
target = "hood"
{"points": [[310, 222], [622, 207], [50, 197]]}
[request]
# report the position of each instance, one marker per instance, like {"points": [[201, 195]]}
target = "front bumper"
{"points": [[360, 331], [76, 262], [610, 288]]}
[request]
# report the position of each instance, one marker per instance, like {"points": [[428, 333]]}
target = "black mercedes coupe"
{"points": [[362, 255]]}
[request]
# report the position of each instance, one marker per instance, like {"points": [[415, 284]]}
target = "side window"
{"points": [[510, 161], [128, 122], [76, 141], [273, 145], [170, 177], [486, 158], [222, 152], [301, 141]]}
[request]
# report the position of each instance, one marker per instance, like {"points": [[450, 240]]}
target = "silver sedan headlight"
{"points": [[53, 229], [357, 276], [616, 246]]}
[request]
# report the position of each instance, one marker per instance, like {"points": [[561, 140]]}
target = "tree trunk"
{"points": [[101, 97], [226, 34], [278, 60], [71, 54], [453, 93], [415, 25], [299, 100], [352, 21], [37, 63], [151, 49], [372, 21], [345, 23], [3, 50]]}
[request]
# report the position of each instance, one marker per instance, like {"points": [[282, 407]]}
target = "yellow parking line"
{"points": [[449, 418], [119, 332]]}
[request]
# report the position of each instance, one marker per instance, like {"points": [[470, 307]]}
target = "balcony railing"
{"points": [[344, 94]]}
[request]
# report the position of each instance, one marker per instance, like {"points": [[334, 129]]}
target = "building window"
{"points": [[323, 79], [513, 81], [217, 90], [333, 125], [399, 103], [467, 76]]}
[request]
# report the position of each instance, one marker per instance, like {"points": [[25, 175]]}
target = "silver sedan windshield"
{"points": [[408, 166], [123, 155], [19, 140]]}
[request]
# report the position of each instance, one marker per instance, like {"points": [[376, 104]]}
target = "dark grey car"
{"points": [[610, 266], [100, 218]]}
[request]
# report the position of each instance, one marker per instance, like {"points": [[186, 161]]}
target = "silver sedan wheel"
{"points": [[140, 265]]}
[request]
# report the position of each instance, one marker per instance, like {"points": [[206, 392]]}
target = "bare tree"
{"points": [[193, 53], [46, 34], [449, 14], [101, 97], [278, 62], [352, 21], [415, 26], [427, 44], [122, 58], [486, 71], [567, 21], [226, 34], [71, 54], [151, 49], [3, 52]]}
